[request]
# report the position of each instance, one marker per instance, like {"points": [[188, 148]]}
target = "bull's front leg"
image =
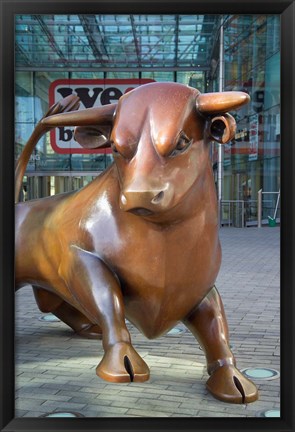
{"points": [[208, 324], [98, 292]]}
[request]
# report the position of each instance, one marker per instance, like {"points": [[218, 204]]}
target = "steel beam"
{"points": [[50, 37], [94, 40]]}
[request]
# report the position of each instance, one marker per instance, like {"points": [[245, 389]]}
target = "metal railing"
{"points": [[260, 206], [241, 213], [233, 213]]}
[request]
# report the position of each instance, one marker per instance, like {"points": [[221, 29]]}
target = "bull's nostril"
{"points": [[158, 197], [123, 199]]}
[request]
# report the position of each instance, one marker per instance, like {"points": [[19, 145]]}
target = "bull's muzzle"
{"points": [[145, 202]]}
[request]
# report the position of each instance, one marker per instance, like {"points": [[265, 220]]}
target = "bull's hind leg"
{"points": [[49, 302], [98, 291], [208, 324]]}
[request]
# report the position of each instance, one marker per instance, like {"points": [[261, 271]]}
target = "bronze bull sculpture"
{"points": [[141, 240]]}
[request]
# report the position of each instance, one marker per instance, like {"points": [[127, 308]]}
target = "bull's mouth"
{"points": [[140, 211]]}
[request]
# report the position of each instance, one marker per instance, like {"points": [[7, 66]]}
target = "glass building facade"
{"points": [[252, 160], [100, 56]]}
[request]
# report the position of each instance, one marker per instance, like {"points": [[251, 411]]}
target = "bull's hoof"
{"points": [[121, 364], [229, 385], [92, 331]]}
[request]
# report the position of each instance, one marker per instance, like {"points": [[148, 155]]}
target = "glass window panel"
{"points": [[195, 80], [22, 134], [159, 76], [122, 75], [184, 77], [92, 162], [87, 75], [272, 35], [272, 82], [42, 82], [24, 101]]}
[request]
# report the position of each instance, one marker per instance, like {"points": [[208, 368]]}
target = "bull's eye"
{"points": [[183, 143]]}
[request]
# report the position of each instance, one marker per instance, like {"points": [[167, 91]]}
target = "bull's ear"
{"points": [[222, 128], [92, 137]]}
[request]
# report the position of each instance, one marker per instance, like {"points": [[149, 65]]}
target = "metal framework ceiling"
{"points": [[115, 42]]}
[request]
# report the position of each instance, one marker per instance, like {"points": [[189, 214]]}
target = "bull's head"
{"points": [[159, 134]]}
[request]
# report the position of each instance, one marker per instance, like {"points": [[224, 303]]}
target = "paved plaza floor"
{"points": [[55, 369]]}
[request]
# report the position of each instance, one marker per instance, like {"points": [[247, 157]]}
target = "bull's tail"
{"points": [[70, 103]]}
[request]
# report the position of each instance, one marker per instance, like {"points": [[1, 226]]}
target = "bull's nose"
{"points": [[131, 199]]}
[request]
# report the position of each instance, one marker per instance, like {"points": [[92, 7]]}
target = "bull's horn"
{"points": [[89, 116], [218, 103]]}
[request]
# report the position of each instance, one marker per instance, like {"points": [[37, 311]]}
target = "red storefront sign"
{"points": [[92, 93]]}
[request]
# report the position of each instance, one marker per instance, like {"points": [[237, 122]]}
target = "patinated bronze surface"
{"points": [[141, 240]]}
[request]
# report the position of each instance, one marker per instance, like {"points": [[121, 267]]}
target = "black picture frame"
{"points": [[286, 8]]}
